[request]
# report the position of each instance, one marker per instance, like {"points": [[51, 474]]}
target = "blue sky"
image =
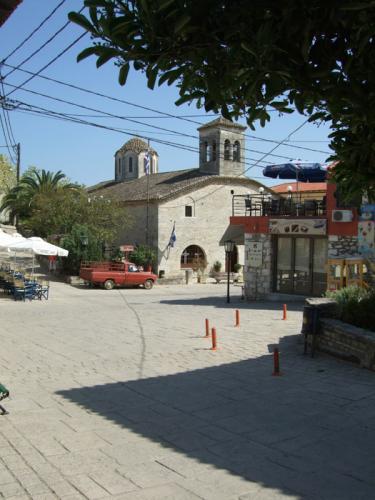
{"points": [[85, 153]]}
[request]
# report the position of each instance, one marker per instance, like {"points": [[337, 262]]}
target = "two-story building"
{"points": [[289, 239]]}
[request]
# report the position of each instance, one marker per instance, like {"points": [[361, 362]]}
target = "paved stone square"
{"points": [[116, 394]]}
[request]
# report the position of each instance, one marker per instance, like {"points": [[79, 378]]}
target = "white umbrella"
{"points": [[38, 246], [8, 239]]}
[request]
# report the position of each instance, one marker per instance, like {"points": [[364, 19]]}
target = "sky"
{"points": [[86, 153]]}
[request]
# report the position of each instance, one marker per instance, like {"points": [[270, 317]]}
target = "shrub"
{"points": [[237, 268], [216, 266], [356, 306], [143, 255]]}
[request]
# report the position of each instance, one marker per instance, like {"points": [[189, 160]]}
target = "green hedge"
{"points": [[356, 306]]}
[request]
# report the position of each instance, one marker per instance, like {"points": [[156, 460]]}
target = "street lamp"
{"points": [[229, 246]]}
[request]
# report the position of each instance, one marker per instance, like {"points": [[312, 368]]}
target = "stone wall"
{"points": [[342, 246], [347, 341], [258, 280], [212, 208]]}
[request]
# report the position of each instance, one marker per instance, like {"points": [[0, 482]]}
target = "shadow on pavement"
{"points": [[220, 302], [299, 434]]}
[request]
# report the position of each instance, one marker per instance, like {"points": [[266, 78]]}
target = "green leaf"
{"points": [[123, 74], [181, 23], [89, 51], [82, 21], [151, 73], [105, 54], [247, 47], [165, 4]]}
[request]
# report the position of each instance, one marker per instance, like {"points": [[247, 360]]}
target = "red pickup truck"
{"points": [[111, 274]]}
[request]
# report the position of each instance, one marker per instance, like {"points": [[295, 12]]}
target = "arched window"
{"points": [[205, 152], [236, 151], [192, 257], [130, 165], [213, 151], [226, 149], [122, 168], [209, 152]]}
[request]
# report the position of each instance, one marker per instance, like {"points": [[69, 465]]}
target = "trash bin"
{"points": [[310, 326], [161, 274]]}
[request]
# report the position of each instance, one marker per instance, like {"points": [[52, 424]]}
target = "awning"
{"points": [[234, 233]]}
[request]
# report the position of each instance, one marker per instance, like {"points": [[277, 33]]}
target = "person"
{"points": [[52, 263], [140, 268]]}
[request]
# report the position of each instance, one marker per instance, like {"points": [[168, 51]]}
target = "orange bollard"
{"points": [[284, 311], [237, 318], [213, 336], [276, 363], [207, 328]]}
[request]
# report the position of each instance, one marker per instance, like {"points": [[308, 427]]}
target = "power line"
{"points": [[294, 146], [33, 32], [47, 112], [120, 117], [6, 114], [6, 141], [39, 49], [146, 108], [49, 63]]}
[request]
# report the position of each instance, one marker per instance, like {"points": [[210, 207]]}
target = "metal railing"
{"points": [[258, 205]]}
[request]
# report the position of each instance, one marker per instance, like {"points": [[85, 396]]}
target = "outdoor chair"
{"points": [[43, 290], [310, 207], [4, 393], [247, 206], [25, 290]]}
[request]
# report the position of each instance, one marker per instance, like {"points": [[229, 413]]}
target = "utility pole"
{"points": [[148, 163], [18, 171], [18, 175]]}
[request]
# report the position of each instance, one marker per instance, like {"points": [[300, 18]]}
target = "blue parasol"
{"points": [[302, 171]]}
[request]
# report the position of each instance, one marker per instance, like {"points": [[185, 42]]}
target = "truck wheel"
{"points": [[109, 284], [149, 284]]}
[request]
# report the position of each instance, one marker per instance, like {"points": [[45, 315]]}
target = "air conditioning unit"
{"points": [[342, 215]]}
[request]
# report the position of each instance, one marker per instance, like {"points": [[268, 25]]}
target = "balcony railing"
{"points": [[264, 205]]}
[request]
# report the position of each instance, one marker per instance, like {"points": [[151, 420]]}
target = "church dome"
{"points": [[136, 145]]}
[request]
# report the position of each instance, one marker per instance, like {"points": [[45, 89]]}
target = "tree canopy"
{"points": [[244, 58], [7, 174]]}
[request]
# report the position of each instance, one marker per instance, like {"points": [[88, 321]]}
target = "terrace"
{"points": [[263, 205]]}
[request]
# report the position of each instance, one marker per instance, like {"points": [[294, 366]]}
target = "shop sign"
{"points": [[127, 248], [255, 254], [295, 227]]}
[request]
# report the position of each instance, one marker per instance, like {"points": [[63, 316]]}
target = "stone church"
{"points": [[195, 204]]}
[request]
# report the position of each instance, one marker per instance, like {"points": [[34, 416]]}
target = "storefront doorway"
{"points": [[300, 266]]}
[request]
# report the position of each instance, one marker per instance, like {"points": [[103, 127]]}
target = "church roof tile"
{"points": [[164, 185]]}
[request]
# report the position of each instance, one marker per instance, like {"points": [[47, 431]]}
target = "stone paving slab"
{"points": [[116, 394]]}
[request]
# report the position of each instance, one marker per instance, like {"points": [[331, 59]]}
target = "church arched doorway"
{"points": [[193, 256]]}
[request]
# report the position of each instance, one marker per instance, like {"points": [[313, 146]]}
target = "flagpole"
{"points": [[147, 189]]}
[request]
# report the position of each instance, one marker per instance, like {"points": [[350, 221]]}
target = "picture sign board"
{"points": [[298, 226], [254, 254]]}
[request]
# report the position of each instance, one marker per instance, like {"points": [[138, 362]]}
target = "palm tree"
{"points": [[19, 199]]}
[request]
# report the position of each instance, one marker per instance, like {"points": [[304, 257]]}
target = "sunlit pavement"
{"points": [[116, 394]]}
